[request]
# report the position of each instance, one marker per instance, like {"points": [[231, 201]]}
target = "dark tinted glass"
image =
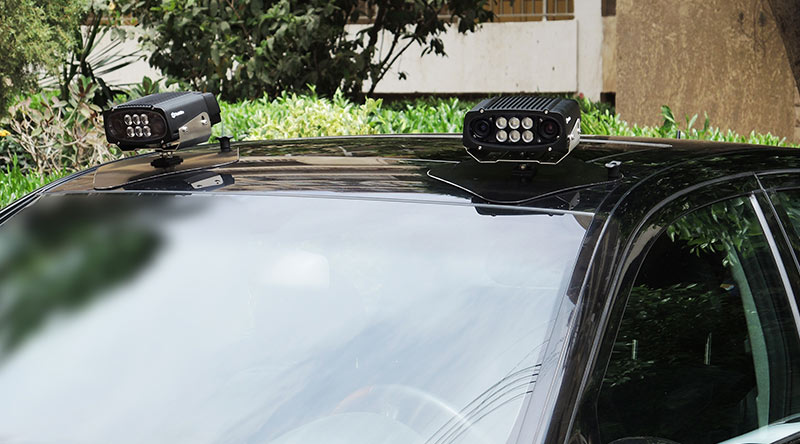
{"points": [[787, 204], [273, 319], [707, 349]]}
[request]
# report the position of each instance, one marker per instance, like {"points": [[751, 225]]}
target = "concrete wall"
{"points": [[538, 56], [136, 71], [609, 54], [724, 57], [501, 57], [541, 56], [589, 57]]}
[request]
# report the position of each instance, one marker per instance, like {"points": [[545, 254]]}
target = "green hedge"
{"points": [[291, 115]]}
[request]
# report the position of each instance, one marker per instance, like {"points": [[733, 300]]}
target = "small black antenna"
{"points": [[224, 139], [613, 169], [224, 143]]}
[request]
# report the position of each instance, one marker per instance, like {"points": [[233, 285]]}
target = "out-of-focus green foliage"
{"points": [[34, 36], [15, 183], [49, 269], [244, 49]]}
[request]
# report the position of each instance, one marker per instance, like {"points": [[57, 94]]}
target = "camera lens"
{"points": [[481, 128], [549, 129]]}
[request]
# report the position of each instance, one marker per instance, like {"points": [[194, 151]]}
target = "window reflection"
{"points": [[279, 319], [707, 349]]}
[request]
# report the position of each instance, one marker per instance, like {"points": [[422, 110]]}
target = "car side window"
{"points": [[788, 207], [707, 348]]}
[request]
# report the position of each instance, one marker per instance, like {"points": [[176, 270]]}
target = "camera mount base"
{"points": [[167, 160], [159, 164]]}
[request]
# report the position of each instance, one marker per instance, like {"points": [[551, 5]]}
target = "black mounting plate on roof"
{"points": [[154, 165], [507, 183]]}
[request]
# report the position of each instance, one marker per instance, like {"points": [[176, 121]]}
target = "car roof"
{"points": [[437, 168]]}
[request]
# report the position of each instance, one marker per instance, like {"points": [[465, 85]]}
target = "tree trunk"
{"points": [[787, 16]]}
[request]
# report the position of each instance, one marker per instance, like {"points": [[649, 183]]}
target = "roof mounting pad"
{"points": [[136, 169], [508, 183]]}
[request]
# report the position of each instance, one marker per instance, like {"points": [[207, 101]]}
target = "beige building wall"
{"points": [[609, 54], [724, 57], [797, 115]]}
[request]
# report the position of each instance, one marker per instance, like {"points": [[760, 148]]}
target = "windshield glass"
{"points": [[161, 318]]}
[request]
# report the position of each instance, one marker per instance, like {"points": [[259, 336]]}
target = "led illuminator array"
{"points": [[522, 129], [513, 129], [513, 124], [133, 122]]}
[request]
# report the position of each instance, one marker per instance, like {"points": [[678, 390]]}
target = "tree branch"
{"points": [[787, 16], [377, 26], [386, 68]]}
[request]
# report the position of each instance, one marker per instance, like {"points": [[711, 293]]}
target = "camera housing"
{"points": [[522, 129], [165, 121]]}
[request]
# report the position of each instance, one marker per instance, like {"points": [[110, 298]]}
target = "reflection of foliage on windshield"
{"points": [[790, 206], [719, 235], [717, 229], [58, 256], [659, 319]]}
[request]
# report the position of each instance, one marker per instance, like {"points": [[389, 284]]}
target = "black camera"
{"points": [[522, 129], [166, 121]]}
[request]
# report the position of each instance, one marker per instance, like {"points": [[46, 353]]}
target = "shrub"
{"points": [[15, 182], [422, 116], [246, 49], [603, 121], [34, 35], [292, 115], [60, 135]]}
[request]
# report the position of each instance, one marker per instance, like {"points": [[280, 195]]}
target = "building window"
{"points": [[609, 8], [504, 11], [532, 10]]}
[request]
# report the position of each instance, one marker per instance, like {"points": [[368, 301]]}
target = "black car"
{"points": [[390, 289]]}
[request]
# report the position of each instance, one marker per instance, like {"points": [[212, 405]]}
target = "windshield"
{"points": [[268, 319]]}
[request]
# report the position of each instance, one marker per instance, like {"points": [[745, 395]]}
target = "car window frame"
{"points": [[584, 426], [773, 183]]}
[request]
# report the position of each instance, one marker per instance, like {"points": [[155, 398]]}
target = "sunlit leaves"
{"points": [[243, 50], [34, 35]]}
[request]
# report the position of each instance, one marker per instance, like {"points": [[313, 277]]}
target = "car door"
{"points": [[701, 343], [783, 191]]}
